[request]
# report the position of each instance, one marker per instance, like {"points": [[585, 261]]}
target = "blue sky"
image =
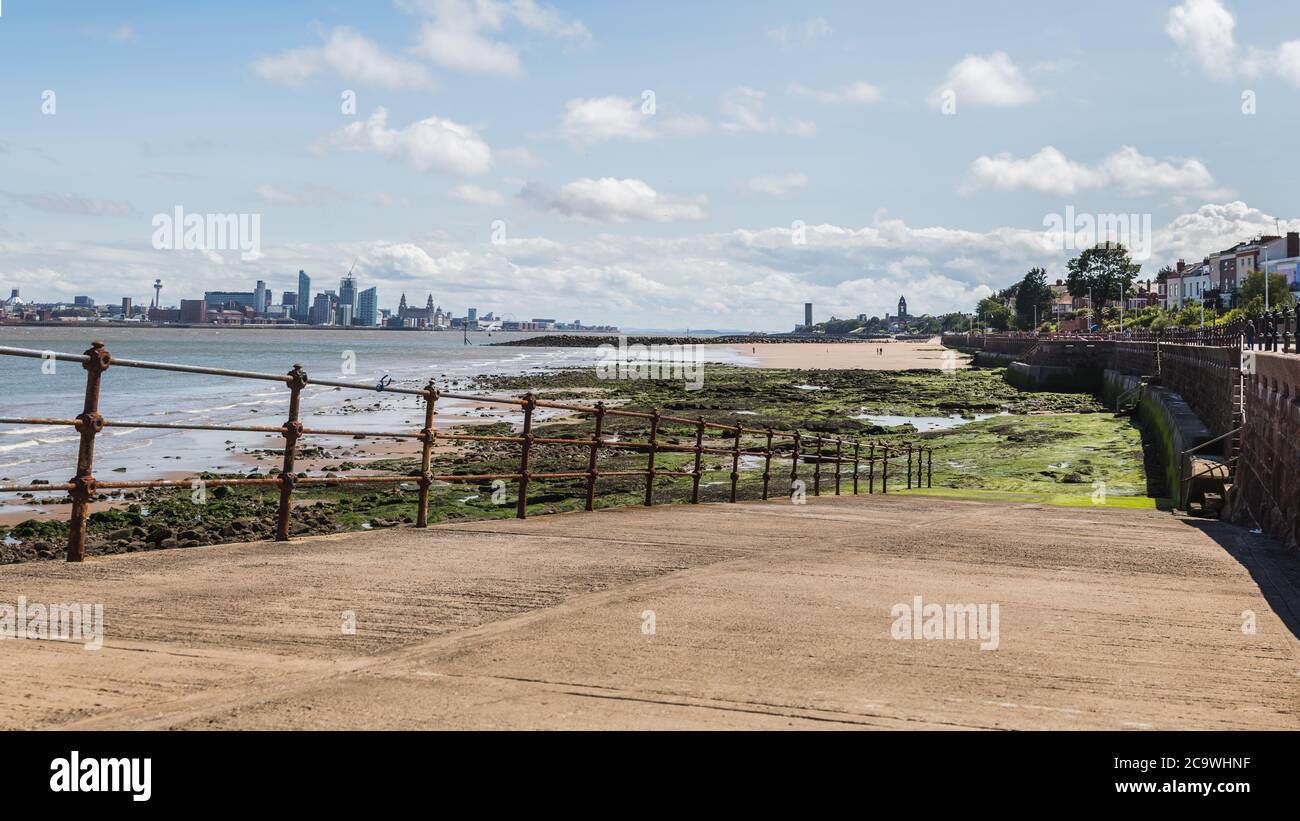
{"points": [[766, 115]]}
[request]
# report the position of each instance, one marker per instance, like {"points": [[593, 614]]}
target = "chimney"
{"points": [[1293, 244], [1181, 266]]}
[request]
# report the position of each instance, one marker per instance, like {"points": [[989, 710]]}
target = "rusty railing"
{"points": [[804, 448]]}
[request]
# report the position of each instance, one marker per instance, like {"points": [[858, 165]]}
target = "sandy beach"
{"points": [[894, 356]]}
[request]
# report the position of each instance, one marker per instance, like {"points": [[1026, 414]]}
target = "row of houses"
{"points": [[1221, 275], [1217, 277]]}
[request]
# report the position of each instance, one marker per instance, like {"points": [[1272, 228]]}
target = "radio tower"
{"points": [[157, 293]]}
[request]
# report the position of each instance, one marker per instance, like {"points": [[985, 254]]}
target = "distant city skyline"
{"points": [[546, 157]]}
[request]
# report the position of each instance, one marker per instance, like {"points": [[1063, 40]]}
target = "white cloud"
{"points": [[613, 200], [792, 35], [1204, 28], [600, 119], [1050, 172], [1287, 63], [476, 195], [521, 157], [456, 33], [986, 81], [777, 184], [683, 125], [321, 195], [860, 92], [754, 278], [743, 110], [432, 144], [350, 56]]}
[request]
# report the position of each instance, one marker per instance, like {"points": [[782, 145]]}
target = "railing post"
{"points": [[292, 431], [794, 462], [929, 467], [920, 467], [767, 463], [909, 465], [89, 423], [594, 456], [856, 452], [817, 469], [735, 464], [871, 469], [650, 461], [427, 438], [839, 463], [884, 470], [525, 458], [699, 456]]}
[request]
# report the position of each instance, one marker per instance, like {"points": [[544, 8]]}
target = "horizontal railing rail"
{"points": [[797, 447]]}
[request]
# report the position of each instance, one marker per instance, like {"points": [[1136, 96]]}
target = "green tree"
{"points": [[1033, 298], [1103, 271], [1252, 292], [994, 313]]}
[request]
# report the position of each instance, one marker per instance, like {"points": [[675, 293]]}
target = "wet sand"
{"points": [[894, 356]]}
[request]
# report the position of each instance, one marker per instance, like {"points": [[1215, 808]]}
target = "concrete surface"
{"points": [[766, 615]]}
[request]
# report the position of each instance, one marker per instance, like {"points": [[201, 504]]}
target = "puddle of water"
{"points": [[925, 423], [810, 387]]}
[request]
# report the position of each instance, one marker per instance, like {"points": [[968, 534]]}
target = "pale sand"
{"points": [[897, 356]]}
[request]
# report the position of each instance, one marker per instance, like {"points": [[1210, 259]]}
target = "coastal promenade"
{"points": [[748, 615]]}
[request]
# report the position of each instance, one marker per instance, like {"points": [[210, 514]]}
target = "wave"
{"points": [[32, 443]]}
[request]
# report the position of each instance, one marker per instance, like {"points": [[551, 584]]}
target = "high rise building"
{"points": [[473, 315], [259, 298], [304, 297], [126, 307], [368, 308], [289, 299], [348, 297], [322, 309], [807, 315]]}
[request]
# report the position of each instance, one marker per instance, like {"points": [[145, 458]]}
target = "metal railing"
{"points": [[803, 448]]}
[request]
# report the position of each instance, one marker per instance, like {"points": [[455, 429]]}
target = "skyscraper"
{"points": [[368, 308], [348, 297], [304, 297], [807, 314], [259, 298]]}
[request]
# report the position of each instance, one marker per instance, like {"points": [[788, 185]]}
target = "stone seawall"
{"points": [[1173, 425], [1267, 491], [1207, 378]]}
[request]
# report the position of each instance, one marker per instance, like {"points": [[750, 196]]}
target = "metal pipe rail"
{"points": [[803, 448]]}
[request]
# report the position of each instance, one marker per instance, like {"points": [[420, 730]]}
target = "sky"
{"points": [[665, 165]]}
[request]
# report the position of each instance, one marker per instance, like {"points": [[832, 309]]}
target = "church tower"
{"points": [[902, 307]]}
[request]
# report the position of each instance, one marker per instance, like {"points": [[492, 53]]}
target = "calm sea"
{"points": [[409, 358]]}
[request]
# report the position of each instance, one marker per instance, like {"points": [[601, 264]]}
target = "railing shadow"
{"points": [[1274, 568]]}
